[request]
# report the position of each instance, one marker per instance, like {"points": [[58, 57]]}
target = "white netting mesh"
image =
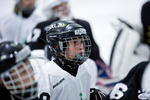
{"points": [[20, 81], [75, 48]]}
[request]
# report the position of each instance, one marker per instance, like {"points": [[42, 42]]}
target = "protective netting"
{"points": [[20, 81]]}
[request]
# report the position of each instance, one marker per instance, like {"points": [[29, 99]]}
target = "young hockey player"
{"points": [[59, 10], [16, 72], [67, 72], [70, 46], [20, 72], [17, 25]]}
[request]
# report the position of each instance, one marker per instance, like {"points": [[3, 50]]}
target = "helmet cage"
{"points": [[20, 81], [59, 49], [62, 35]]}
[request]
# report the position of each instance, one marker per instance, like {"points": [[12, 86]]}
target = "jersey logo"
{"points": [[56, 25], [80, 31], [144, 95], [118, 91], [58, 82], [81, 97]]}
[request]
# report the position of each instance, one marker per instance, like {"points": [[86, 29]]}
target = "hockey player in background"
{"points": [[127, 47], [60, 10], [18, 77], [135, 86], [17, 25], [21, 74]]}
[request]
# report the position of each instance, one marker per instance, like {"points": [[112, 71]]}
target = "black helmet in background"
{"points": [[16, 72]]}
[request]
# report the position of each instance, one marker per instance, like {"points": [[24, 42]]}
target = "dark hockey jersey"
{"points": [[130, 87]]}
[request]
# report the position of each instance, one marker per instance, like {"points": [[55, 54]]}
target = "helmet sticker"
{"points": [[80, 31], [56, 25]]}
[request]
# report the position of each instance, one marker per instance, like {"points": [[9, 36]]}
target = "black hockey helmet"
{"points": [[58, 37], [11, 53], [16, 71]]}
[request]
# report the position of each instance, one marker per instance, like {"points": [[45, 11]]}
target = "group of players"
{"points": [[55, 64]]}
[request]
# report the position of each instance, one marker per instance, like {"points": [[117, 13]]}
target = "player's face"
{"points": [[75, 48], [21, 76], [19, 80], [23, 72], [61, 10], [28, 4]]}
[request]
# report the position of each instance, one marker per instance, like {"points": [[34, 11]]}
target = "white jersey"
{"points": [[16, 28], [40, 76], [92, 69], [57, 84]]}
